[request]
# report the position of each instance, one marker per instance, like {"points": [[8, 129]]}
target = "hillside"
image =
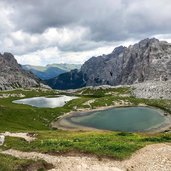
{"points": [[72, 80], [13, 76], [148, 60], [51, 70]]}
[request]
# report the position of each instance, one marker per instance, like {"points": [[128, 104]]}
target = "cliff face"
{"points": [[150, 59], [13, 76]]}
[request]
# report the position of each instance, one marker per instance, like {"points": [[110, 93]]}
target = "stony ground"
{"points": [[153, 89], [155, 157]]}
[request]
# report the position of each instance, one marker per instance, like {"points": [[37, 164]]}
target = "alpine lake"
{"points": [[129, 119]]}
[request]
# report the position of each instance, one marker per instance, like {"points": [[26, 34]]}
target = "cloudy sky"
{"points": [[39, 32]]}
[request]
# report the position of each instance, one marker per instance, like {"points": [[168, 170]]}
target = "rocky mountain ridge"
{"points": [[148, 60], [13, 76]]}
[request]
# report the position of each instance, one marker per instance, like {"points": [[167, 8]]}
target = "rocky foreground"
{"points": [[155, 157]]}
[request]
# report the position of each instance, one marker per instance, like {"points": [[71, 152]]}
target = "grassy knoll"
{"points": [[18, 117], [101, 92], [22, 117]]}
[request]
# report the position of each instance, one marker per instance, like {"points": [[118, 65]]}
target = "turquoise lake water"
{"points": [[130, 119]]}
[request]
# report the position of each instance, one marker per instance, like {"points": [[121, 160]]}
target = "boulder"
{"points": [[2, 139]]}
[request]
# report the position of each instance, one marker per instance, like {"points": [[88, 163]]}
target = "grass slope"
{"points": [[117, 145]]}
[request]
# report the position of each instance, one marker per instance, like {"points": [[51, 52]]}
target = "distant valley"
{"points": [[51, 70]]}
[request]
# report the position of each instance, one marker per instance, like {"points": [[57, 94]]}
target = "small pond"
{"points": [[44, 102], [130, 119]]}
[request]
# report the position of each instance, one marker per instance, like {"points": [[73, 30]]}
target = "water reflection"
{"points": [[44, 102]]}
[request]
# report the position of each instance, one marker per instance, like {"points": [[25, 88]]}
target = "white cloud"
{"points": [[164, 37], [41, 32], [20, 42], [54, 55], [5, 13], [64, 36]]}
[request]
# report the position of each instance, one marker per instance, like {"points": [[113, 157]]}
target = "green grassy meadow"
{"points": [[24, 118]]}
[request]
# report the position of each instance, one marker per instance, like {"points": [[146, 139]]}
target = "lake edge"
{"points": [[65, 122]]}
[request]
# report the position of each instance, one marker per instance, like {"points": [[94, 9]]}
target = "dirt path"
{"points": [[89, 103], [155, 157]]}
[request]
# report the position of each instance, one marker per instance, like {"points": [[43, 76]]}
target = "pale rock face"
{"points": [[13, 76], [150, 59]]}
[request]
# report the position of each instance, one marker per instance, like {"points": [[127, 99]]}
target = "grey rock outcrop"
{"points": [[150, 59], [13, 76]]}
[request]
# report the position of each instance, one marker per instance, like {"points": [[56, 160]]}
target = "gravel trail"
{"points": [[156, 157]]}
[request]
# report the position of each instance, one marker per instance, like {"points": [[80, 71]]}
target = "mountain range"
{"points": [[51, 70], [149, 59]]}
